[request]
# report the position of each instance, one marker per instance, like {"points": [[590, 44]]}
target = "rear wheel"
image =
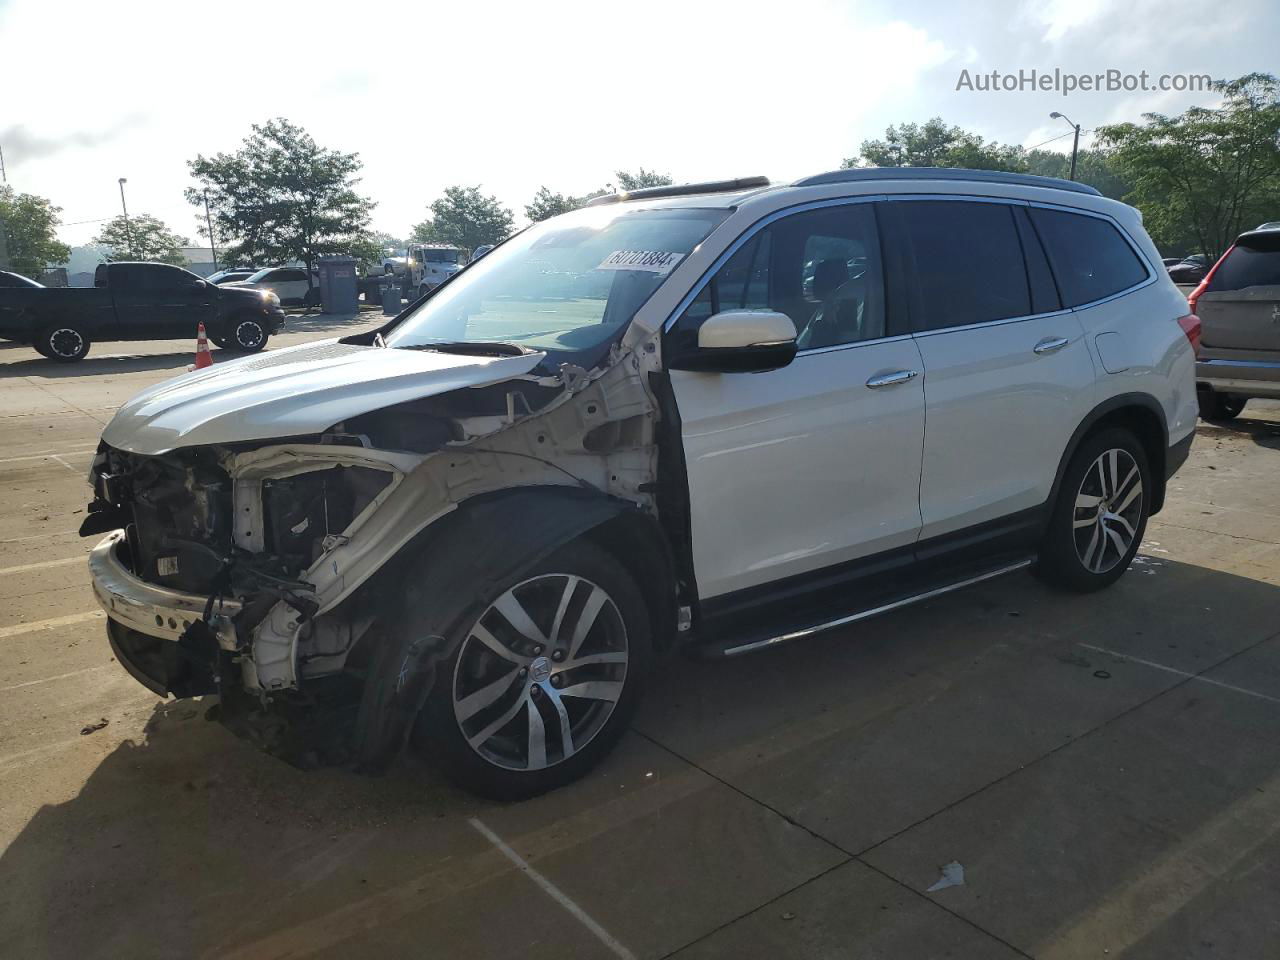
{"points": [[1220, 406], [544, 679], [1101, 513], [65, 343]]}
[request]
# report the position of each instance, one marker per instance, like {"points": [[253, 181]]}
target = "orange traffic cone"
{"points": [[203, 357]]}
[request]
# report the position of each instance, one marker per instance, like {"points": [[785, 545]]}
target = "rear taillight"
{"points": [[1204, 284], [1190, 325]]}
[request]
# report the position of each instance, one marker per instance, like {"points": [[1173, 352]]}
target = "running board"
{"points": [[754, 645]]}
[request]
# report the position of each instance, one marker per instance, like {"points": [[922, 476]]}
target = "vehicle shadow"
{"points": [[1261, 430], [32, 364], [186, 833]]}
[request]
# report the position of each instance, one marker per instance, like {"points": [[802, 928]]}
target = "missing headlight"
{"points": [[302, 510]]}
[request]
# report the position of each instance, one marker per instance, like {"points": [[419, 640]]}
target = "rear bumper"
{"points": [[1249, 378]]}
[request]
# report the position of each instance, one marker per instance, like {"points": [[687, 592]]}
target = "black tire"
{"points": [[1216, 406], [218, 340], [1083, 549], [493, 769], [65, 343], [246, 335]]}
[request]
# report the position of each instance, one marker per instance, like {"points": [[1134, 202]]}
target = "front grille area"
{"points": [[176, 511]]}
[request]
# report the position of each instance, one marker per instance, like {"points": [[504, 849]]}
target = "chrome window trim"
{"points": [[993, 323], [750, 232]]}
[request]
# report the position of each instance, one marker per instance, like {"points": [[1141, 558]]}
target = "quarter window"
{"points": [[1089, 257], [969, 266], [820, 267]]}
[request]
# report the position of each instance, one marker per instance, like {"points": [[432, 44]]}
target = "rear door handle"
{"points": [[1050, 345], [889, 379]]}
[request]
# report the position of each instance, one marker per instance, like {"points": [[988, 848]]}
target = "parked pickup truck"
{"points": [[136, 301]]}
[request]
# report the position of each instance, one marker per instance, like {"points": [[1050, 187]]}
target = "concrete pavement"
{"points": [[1105, 769]]}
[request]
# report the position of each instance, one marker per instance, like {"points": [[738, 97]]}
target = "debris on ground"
{"points": [[952, 876], [94, 726]]}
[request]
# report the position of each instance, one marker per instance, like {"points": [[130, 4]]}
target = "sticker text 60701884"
{"points": [[660, 262]]}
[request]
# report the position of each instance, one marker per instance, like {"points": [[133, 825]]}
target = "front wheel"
{"points": [[1100, 515], [544, 679], [66, 344], [247, 336]]}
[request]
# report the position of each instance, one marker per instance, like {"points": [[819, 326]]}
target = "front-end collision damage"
{"points": [[310, 537]]}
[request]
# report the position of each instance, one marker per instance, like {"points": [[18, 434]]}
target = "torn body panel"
{"points": [[291, 531]]}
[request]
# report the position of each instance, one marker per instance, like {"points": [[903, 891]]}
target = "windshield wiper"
{"points": [[479, 348]]}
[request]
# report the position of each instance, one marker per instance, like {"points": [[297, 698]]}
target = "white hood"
{"points": [[295, 391]]}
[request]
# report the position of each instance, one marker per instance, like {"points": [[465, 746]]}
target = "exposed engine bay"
{"points": [[290, 533]]}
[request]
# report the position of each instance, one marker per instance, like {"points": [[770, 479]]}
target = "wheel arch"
{"points": [[472, 551], [1141, 414]]}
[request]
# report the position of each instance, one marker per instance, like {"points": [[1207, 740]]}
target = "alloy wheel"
{"points": [[540, 672], [65, 342], [1108, 510], [249, 334]]}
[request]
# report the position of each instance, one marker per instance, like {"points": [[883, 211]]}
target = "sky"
{"points": [[514, 95]]}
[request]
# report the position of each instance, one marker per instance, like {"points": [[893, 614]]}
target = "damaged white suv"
{"points": [[723, 415]]}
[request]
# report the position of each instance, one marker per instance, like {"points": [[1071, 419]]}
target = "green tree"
{"points": [[464, 217], [30, 238], [1206, 175], [143, 238], [546, 204], [282, 196], [641, 178], [934, 144], [1097, 168]]}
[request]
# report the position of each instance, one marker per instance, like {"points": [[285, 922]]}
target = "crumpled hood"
{"points": [[294, 391]]}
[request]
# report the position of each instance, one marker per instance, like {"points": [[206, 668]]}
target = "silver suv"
{"points": [[687, 416], [1238, 303]]}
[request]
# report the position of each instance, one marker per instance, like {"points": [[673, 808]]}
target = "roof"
{"points": [[857, 174]]}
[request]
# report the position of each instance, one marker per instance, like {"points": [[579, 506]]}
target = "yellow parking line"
{"points": [[51, 623]]}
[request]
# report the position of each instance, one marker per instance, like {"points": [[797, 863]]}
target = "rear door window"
{"points": [[1090, 258], [1252, 262], [969, 267]]}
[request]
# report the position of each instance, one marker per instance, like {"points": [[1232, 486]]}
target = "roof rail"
{"points": [[683, 190], [944, 173]]}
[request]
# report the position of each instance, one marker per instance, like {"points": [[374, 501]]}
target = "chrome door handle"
{"points": [[1050, 345], [889, 379]]}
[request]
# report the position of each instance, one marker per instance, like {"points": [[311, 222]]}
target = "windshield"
{"points": [[567, 284], [440, 256], [260, 275]]}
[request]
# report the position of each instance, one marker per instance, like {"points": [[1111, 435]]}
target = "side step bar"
{"points": [[754, 645]]}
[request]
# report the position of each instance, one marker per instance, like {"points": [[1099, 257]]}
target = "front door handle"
{"points": [[889, 379], [1050, 345]]}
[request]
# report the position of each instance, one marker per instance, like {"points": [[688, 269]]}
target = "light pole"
{"points": [[1075, 146], [128, 230], [209, 223]]}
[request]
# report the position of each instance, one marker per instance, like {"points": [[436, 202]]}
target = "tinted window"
{"points": [[1253, 262], [283, 276], [158, 278], [968, 262], [821, 268], [1090, 258]]}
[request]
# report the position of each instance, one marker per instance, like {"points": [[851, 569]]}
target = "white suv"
{"points": [[722, 416]]}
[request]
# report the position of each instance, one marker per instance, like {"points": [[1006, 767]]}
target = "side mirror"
{"points": [[741, 341]]}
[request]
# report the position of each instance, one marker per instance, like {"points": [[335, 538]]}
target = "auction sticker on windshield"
{"points": [[651, 261]]}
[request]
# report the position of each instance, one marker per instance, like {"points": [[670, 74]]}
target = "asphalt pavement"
{"points": [[1002, 772]]}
